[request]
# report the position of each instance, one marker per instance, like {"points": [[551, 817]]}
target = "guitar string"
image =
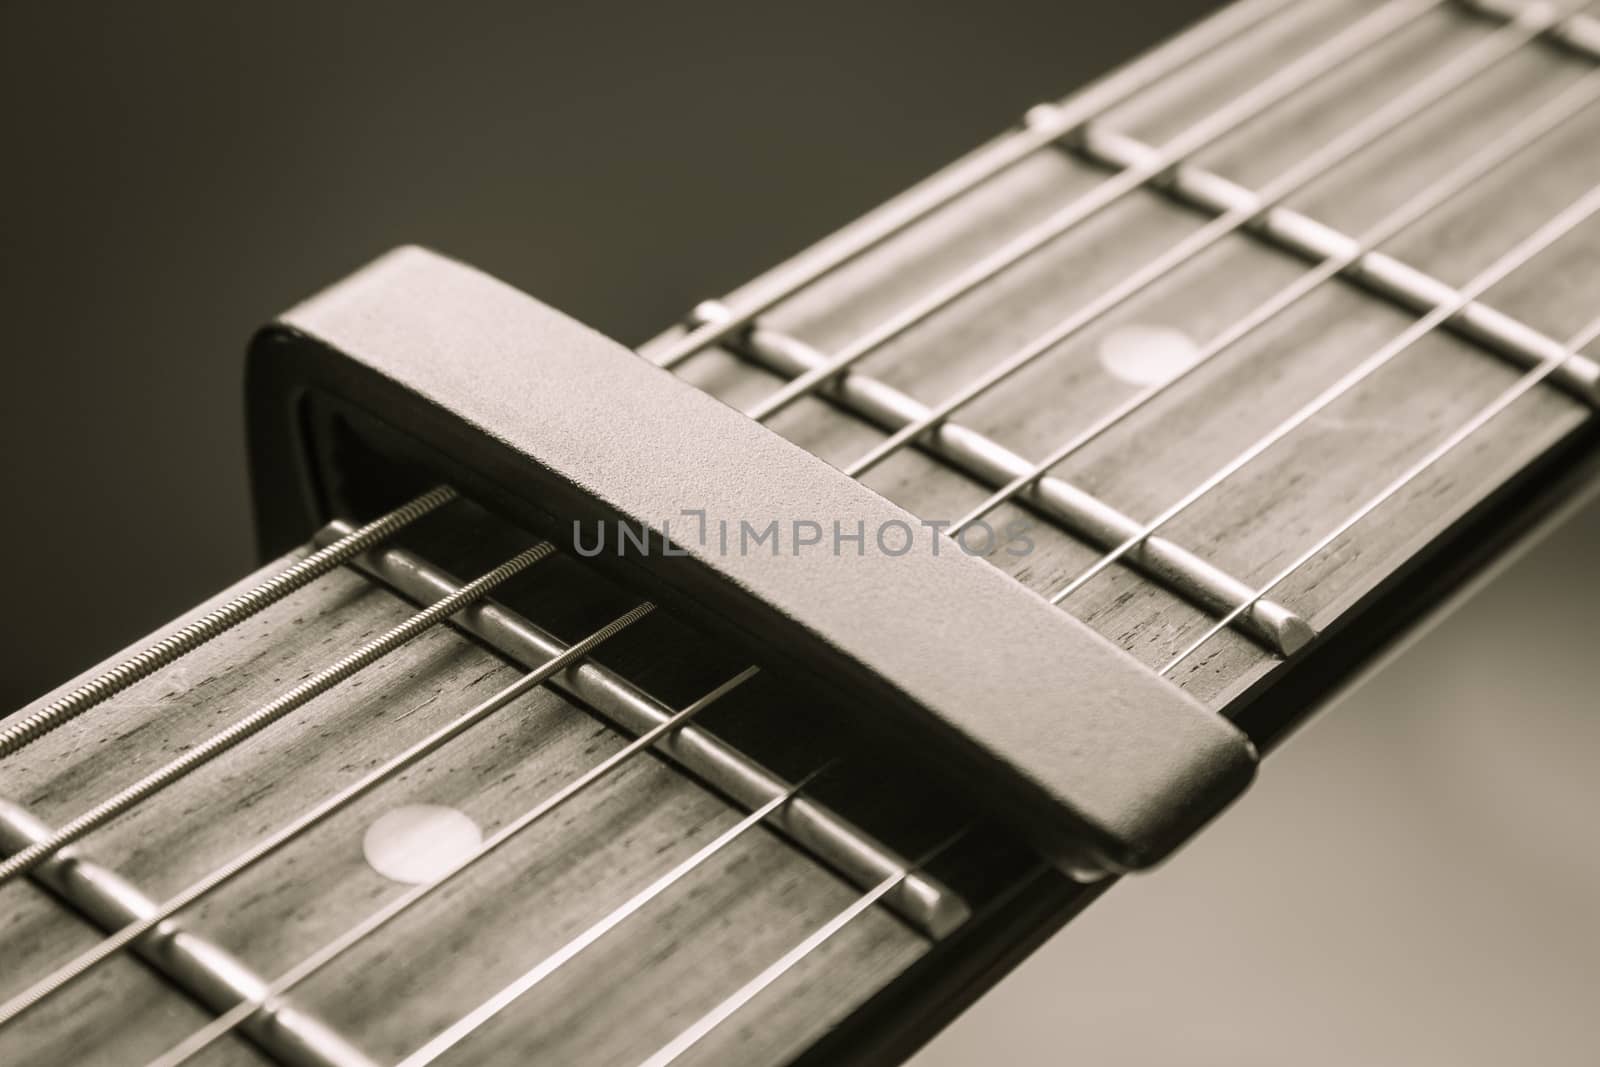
{"points": [[1438, 84], [1216, 33], [727, 1008], [465, 1026], [735, 1002], [454, 1035], [337, 802], [1523, 385], [169, 649], [192, 759], [1573, 216], [222, 1024], [470, 1023], [692, 1035], [1307, 69], [1213, 34], [1210, 36], [1540, 124]]}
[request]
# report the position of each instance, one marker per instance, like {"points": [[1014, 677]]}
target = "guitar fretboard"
{"points": [[1229, 341], [1233, 345]]}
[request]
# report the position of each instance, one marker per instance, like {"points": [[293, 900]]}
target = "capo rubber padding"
{"points": [[1104, 764]]}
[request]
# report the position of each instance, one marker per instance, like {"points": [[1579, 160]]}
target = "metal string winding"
{"points": [[248, 727], [103, 950], [180, 643], [375, 921]]}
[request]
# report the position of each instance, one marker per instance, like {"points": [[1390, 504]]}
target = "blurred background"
{"points": [[1414, 880]]}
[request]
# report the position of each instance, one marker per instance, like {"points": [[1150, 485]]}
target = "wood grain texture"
{"points": [[674, 961], [702, 940], [1277, 507]]}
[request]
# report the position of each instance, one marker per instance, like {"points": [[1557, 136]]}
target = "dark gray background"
{"points": [[174, 174]]}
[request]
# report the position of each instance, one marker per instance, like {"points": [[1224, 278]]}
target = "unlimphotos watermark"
{"points": [[798, 536]]}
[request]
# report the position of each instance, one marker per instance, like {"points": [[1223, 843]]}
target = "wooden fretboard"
{"points": [[1252, 344], [1431, 156]]}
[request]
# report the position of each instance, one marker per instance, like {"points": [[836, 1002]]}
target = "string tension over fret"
{"points": [[559, 428], [733, 464]]}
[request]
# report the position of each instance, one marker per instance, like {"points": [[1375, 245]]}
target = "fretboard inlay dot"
{"points": [[419, 843], [1146, 355]]}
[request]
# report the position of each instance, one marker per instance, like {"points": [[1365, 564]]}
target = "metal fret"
{"points": [[1580, 33], [735, 1003], [1344, 255], [939, 909], [1262, 97], [921, 900], [879, 874], [253, 724], [201, 968], [1242, 213], [1411, 288], [948, 186], [377, 920], [173, 647], [731, 1005], [1076, 510], [1546, 369], [1575, 215], [552, 665], [909, 419], [464, 1027]]}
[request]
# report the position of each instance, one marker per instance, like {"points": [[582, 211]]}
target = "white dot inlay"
{"points": [[419, 843], [1147, 355]]}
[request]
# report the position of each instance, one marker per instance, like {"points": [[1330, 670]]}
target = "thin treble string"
{"points": [[175, 646], [337, 802], [1229, 25], [252, 724], [726, 1009], [1263, 96], [1567, 220], [1548, 366], [1540, 124], [1424, 93], [375, 921], [468, 1024]]}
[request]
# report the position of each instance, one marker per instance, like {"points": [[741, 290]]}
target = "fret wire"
{"points": [[58, 713], [195, 964], [1228, 25], [1266, 94], [1563, 223], [337, 802], [1548, 118], [1417, 98], [259, 720], [924, 903], [1075, 511], [468, 1024], [702, 1026], [375, 921], [1523, 385]]}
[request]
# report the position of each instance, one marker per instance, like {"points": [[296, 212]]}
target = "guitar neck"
{"points": [[1242, 357], [1268, 333]]}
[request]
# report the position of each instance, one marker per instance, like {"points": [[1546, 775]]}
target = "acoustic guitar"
{"points": [[764, 695]]}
